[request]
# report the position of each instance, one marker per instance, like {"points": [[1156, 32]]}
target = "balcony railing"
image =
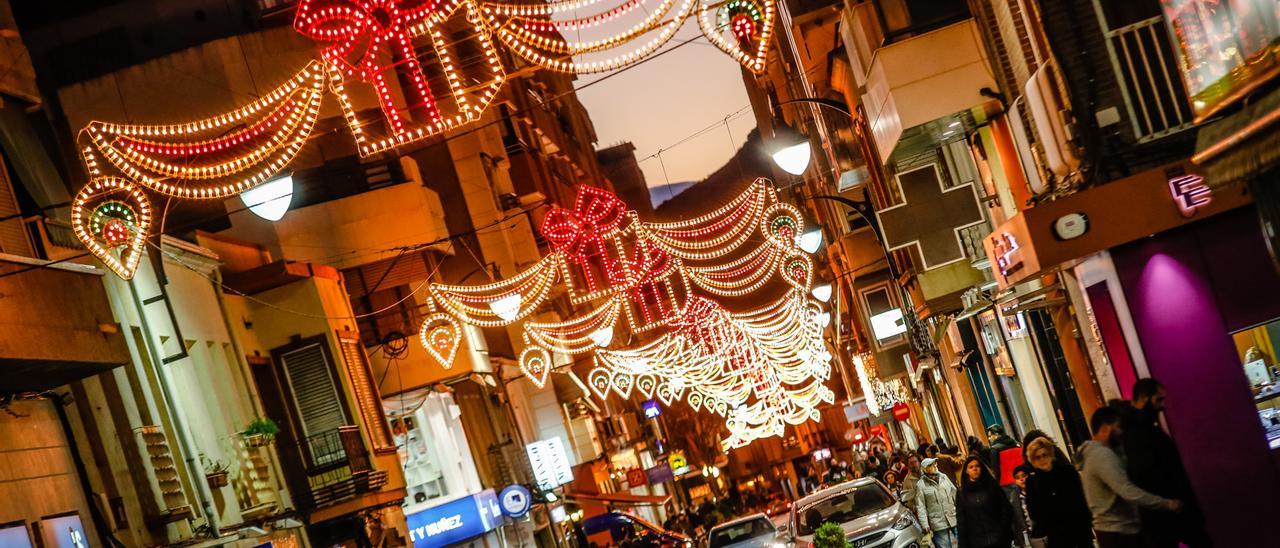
{"points": [[1142, 57], [336, 467]]}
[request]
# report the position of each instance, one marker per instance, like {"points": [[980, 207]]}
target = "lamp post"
{"points": [[785, 149]]}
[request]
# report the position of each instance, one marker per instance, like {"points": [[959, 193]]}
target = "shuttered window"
{"points": [[315, 390]]}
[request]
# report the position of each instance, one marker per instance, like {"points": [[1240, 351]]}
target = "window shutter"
{"points": [[367, 397], [314, 388]]}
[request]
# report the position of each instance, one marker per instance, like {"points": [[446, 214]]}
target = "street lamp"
{"points": [[271, 199], [790, 149], [811, 240]]}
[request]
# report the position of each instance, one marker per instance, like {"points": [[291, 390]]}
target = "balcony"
{"points": [[921, 78], [56, 325], [329, 469]]}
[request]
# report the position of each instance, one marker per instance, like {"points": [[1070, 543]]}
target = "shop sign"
{"points": [[651, 409], [901, 411], [699, 492], [454, 521], [1007, 252], [515, 501], [856, 411], [930, 216], [1189, 193], [679, 465], [660, 473], [550, 463], [636, 477], [1224, 48]]}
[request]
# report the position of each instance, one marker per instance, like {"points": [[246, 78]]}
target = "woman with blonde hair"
{"points": [[1055, 499]]}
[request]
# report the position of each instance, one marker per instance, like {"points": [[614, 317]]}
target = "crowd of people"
{"points": [[1125, 488]]}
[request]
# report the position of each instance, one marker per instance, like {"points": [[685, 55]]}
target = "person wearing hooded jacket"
{"points": [[935, 501], [983, 514]]}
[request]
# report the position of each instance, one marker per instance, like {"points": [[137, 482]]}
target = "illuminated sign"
{"points": [[550, 463], [888, 324], [1008, 256], [678, 463], [454, 521], [1226, 47], [651, 409], [1190, 193]]}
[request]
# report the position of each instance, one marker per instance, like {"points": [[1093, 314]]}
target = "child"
{"points": [[1018, 499]]}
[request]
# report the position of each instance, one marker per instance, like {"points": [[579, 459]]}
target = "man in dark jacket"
{"points": [[1153, 463]]}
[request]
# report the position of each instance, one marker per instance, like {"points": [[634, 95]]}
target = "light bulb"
{"points": [[270, 200], [822, 292], [507, 307], [794, 159]]}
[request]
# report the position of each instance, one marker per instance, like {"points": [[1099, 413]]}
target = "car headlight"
{"points": [[903, 523]]}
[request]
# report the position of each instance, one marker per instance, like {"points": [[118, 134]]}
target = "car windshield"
{"points": [[740, 532], [842, 507]]}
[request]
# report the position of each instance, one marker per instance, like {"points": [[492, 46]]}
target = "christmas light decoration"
{"points": [[403, 55], [760, 369], [441, 336], [111, 217]]}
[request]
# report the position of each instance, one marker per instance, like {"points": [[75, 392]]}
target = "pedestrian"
{"points": [[910, 478], [976, 448], [1055, 497], [1113, 498], [1033, 435], [984, 517], [999, 440], [935, 503], [894, 483], [1154, 465], [1018, 500], [1006, 455]]}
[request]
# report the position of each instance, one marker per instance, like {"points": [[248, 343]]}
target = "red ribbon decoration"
{"points": [[357, 31], [579, 232]]}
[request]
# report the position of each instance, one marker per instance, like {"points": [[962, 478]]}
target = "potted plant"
{"points": [[216, 473], [261, 431]]}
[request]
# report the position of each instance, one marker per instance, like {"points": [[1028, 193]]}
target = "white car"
{"points": [[867, 512], [755, 531]]}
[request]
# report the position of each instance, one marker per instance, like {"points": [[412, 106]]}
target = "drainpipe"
{"points": [[194, 466]]}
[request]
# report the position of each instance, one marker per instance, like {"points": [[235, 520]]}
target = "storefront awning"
{"points": [[622, 498], [1240, 146]]}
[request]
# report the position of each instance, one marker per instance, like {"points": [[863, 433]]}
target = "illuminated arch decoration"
{"points": [[429, 66], [761, 369]]}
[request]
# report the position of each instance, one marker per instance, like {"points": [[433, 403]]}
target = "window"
{"points": [[759, 529], [884, 316], [432, 446], [843, 507], [1257, 350], [906, 18], [317, 398]]}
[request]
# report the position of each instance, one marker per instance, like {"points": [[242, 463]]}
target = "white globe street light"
{"points": [[790, 149], [270, 200], [822, 292]]}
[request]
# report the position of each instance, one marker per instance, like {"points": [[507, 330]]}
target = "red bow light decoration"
{"points": [[363, 35], [578, 233]]}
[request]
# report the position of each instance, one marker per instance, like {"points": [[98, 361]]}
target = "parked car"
{"points": [[777, 507], [754, 531], [870, 516], [619, 529]]}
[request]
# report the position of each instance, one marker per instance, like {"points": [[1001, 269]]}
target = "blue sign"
{"points": [[515, 501], [454, 521], [651, 409], [660, 473]]}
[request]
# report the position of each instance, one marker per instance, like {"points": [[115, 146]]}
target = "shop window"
{"points": [[882, 313], [15, 535], [1257, 350], [432, 446]]}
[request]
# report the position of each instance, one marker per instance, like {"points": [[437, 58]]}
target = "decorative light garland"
{"points": [[365, 47], [760, 369]]}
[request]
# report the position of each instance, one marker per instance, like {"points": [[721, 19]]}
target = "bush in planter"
{"points": [[829, 535], [260, 431]]}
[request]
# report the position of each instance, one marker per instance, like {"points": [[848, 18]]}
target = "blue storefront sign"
{"points": [[455, 521], [515, 501]]}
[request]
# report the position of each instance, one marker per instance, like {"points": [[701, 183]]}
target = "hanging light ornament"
{"points": [[760, 369], [403, 56]]}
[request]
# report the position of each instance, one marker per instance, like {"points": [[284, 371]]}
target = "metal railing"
{"points": [[336, 466], [1143, 59]]}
